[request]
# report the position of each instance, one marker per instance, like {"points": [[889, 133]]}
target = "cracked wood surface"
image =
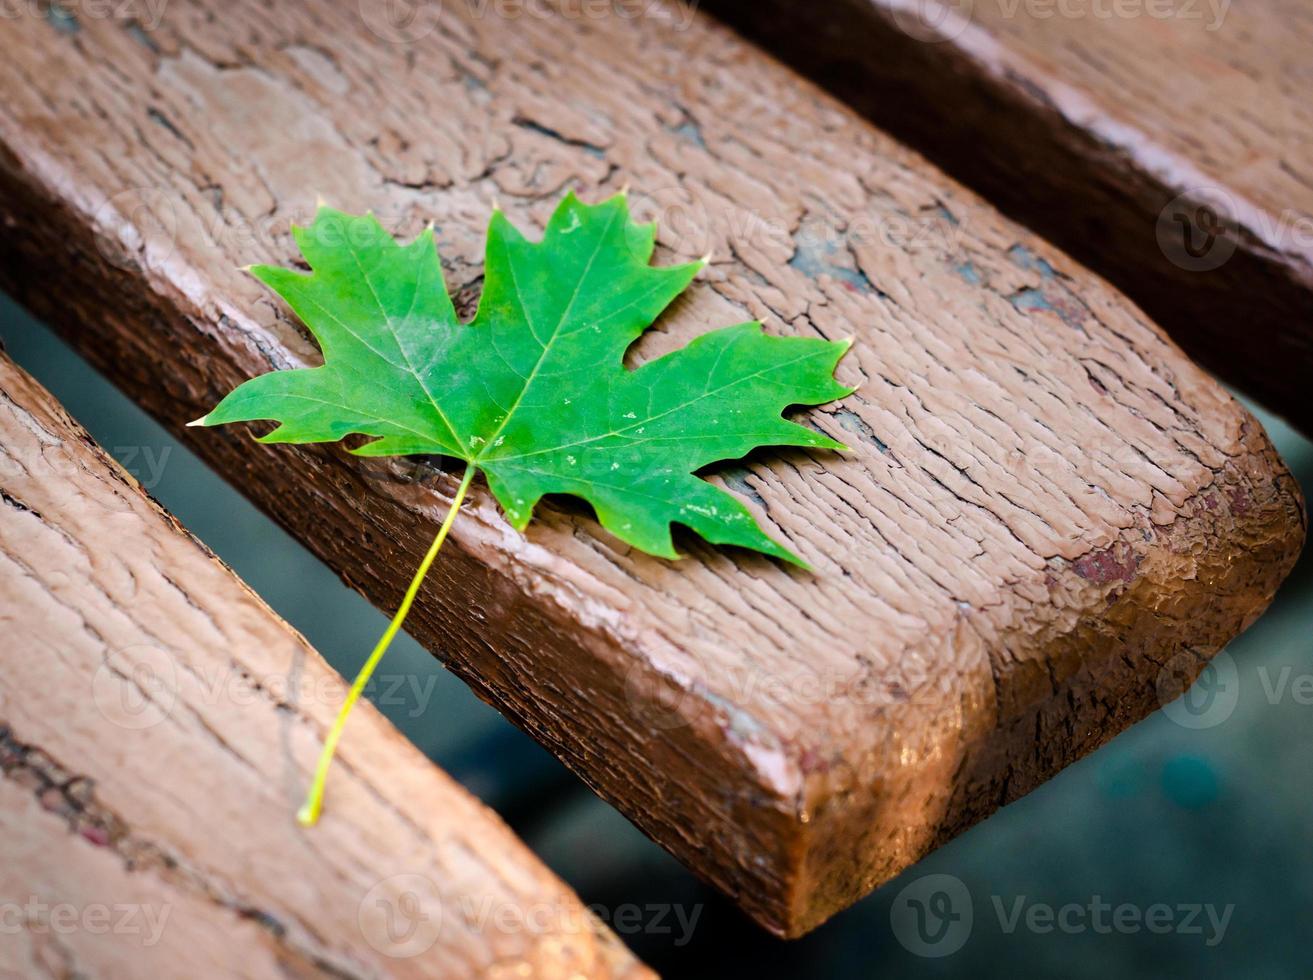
{"points": [[1047, 502], [157, 724], [1169, 146]]}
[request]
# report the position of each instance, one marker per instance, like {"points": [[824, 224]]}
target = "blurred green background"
{"points": [[1202, 807]]}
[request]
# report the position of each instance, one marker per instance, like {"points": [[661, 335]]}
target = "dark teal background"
{"points": [[1162, 815]]}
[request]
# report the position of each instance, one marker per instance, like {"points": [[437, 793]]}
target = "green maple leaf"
{"points": [[533, 392]]}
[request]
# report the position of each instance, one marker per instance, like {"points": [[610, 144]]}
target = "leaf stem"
{"points": [[308, 815]]}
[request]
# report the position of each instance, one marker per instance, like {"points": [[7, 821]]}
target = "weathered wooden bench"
{"points": [[156, 725], [1047, 500], [1168, 145]]}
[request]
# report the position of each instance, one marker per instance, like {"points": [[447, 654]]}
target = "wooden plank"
{"points": [[1168, 145], [1047, 500], [156, 725]]}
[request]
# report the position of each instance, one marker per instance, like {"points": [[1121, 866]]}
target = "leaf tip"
{"points": [[788, 557], [203, 420]]}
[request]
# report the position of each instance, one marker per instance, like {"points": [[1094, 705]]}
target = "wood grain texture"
{"points": [[1046, 500], [157, 722], [1121, 130]]}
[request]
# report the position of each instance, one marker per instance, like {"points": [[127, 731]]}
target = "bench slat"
{"points": [[1046, 500], [157, 722], [1167, 145]]}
